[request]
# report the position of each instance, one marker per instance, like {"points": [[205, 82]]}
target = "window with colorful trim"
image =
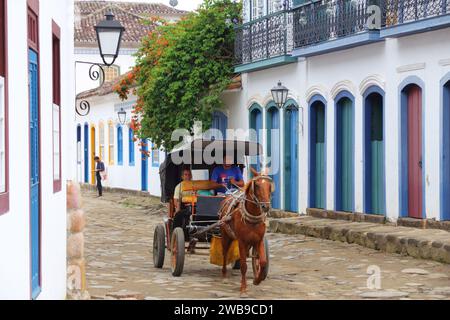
{"points": [[111, 142], [119, 146], [131, 146], [57, 179], [101, 140], [155, 155], [4, 183]]}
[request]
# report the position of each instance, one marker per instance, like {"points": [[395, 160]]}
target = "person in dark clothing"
{"points": [[99, 169]]}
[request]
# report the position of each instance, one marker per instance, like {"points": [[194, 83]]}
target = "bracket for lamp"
{"points": [[96, 73]]}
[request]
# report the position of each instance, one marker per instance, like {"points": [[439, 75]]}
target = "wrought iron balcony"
{"points": [[327, 20], [312, 28], [264, 38], [397, 12]]}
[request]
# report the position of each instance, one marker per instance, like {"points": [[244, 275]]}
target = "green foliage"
{"points": [[182, 69]]}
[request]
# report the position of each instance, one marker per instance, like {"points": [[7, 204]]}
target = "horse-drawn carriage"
{"points": [[219, 223]]}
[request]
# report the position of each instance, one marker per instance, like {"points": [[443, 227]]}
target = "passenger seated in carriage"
{"points": [[228, 175], [179, 194]]}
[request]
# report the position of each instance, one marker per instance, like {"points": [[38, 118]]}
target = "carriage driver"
{"points": [[228, 175]]}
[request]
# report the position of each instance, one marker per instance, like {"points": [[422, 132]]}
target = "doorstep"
{"points": [[428, 244]]}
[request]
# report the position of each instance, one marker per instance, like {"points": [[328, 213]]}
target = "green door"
{"points": [[317, 182], [375, 155], [344, 161], [320, 157]]}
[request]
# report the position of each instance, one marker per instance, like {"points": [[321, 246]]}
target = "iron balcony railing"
{"points": [[396, 12], [325, 20], [264, 38]]}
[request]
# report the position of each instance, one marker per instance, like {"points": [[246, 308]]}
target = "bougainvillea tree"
{"points": [[181, 70]]}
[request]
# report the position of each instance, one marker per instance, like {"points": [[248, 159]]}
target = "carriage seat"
{"points": [[196, 187]]}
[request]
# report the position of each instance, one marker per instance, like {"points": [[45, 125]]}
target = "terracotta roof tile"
{"points": [[108, 87], [130, 14]]}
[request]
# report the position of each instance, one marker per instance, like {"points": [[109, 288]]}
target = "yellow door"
{"points": [[93, 155]]}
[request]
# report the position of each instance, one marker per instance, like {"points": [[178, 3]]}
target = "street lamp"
{"points": [[109, 34], [122, 116], [280, 95]]}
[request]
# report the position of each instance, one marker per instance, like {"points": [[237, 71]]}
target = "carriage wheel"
{"points": [[177, 250], [255, 261], [159, 246]]}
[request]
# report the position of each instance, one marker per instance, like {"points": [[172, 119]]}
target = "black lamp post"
{"points": [[280, 95], [122, 116], [109, 35]]}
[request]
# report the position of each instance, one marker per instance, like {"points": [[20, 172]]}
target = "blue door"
{"points": [[119, 146], [256, 123], [86, 153], [144, 168], [273, 152], [291, 159], [220, 122], [34, 171], [445, 192]]}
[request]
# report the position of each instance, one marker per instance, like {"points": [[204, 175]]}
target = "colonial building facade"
{"points": [[366, 125], [36, 108], [99, 132], [131, 164]]}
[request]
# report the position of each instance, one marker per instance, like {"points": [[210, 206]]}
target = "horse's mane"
{"points": [[247, 186]]}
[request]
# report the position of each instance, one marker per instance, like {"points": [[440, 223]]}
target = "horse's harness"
{"points": [[239, 200]]}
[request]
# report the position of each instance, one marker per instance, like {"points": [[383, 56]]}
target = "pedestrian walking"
{"points": [[99, 173]]}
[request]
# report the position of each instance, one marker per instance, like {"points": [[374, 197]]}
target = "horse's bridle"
{"points": [[252, 218]]}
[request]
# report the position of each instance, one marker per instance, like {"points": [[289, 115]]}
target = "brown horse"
{"points": [[244, 220]]}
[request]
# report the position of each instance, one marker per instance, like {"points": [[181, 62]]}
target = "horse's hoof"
{"points": [[256, 283], [244, 294]]}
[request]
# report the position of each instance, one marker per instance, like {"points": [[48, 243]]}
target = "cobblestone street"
{"points": [[119, 239]]}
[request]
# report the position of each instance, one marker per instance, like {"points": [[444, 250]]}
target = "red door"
{"points": [[415, 182]]}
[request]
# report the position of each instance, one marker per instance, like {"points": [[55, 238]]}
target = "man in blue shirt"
{"points": [[228, 175]]}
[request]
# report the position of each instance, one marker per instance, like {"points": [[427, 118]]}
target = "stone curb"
{"points": [[422, 244], [361, 217]]}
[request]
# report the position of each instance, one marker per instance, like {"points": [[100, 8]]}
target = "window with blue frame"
{"points": [[155, 155], [131, 147], [119, 146]]}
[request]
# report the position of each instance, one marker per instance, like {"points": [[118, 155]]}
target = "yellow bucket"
{"points": [[216, 252]]}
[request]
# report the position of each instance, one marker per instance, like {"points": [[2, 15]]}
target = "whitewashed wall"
{"points": [[124, 176], [14, 225], [387, 64]]}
